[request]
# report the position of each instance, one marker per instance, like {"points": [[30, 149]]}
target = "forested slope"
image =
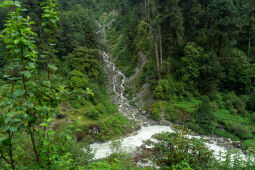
{"points": [[194, 49], [186, 63]]}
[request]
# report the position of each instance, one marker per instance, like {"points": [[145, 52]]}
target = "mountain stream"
{"points": [[130, 143]]}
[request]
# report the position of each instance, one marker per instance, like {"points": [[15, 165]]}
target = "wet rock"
{"points": [[61, 116], [237, 144], [138, 127]]}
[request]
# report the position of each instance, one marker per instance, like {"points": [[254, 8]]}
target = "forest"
{"points": [[127, 84]]}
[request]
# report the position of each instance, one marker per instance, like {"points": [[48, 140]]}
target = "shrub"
{"points": [[234, 104], [75, 73], [219, 101], [156, 110], [175, 151], [93, 114], [86, 61], [248, 144], [205, 118], [226, 134], [243, 132], [77, 80], [251, 102], [193, 126], [170, 114], [167, 88]]}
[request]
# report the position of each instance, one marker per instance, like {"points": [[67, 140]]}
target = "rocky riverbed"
{"points": [[145, 128]]}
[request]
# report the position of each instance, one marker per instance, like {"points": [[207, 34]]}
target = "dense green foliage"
{"points": [[53, 88], [193, 48], [177, 151], [205, 117]]}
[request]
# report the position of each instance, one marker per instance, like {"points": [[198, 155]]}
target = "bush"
{"points": [[251, 102], [120, 161], [205, 118], [75, 73], [243, 132], [226, 134], [234, 104], [93, 114], [193, 126], [86, 61], [170, 114], [248, 144], [156, 110], [167, 88], [175, 151], [219, 101], [77, 80]]}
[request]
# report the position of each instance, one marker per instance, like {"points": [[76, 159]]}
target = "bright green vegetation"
{"points": [[175, 151], [224, 115], [195, 49], [53, 87], [200, 69]]}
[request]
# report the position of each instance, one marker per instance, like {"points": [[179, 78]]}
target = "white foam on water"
{"points": [[131, 143]]}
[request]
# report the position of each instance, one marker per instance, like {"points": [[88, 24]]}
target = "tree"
{"points": [[192, 12], [248, 27], [171, 22], [251, 102], [205, 117], [29, 103], [224, 21], [86, 61], [239, 72], [192, 63]]}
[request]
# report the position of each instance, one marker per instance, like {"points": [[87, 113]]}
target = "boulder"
{"points": [[61, 116]]}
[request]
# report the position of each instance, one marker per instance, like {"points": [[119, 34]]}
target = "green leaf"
{"points": [[27, 74], [68, 137], [44, 125], [16, 42], [19, 92], [6, 142], [13, 129], [52, 67], [10, 115], [3, 139]]}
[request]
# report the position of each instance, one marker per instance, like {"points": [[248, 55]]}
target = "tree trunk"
{"points": [[220, 45], [157, 58], [249, 38], [84, 35], [145, 5], [160, 48], [148, 9], [249, 43]]}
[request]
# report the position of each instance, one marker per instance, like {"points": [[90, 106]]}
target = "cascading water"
{"points": [[116, 85], [129, 144]]}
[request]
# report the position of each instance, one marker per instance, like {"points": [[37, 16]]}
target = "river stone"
{"points": [[61, 116], [138, 127]]}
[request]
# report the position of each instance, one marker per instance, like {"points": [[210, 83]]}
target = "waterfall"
{"points": [[130, 144]]}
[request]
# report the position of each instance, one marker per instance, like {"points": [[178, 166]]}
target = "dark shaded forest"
{"points": [[188, 63]]}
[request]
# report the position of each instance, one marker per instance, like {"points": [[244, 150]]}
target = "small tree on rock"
{"points": [[205, 117]]}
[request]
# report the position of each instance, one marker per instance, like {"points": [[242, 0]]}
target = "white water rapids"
{"points": [[131, 143]]}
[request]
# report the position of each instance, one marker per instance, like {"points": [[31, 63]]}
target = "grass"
{"points": [[109, 125], [187, 105], [249, 144], [224, 133], [233, 126]]}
